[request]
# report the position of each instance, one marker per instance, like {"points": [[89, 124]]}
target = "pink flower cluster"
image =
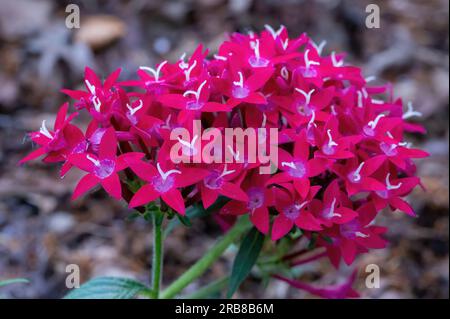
{"points": [[342, 157]]}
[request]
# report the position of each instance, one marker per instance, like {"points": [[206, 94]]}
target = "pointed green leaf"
{"points": [[107, 288], [245, 259]]}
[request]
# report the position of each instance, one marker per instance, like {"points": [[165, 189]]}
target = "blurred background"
{"points": [[41, 230]]}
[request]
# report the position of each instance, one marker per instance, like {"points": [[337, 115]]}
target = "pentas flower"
{"points": [[260, 198], [342, 153], [103, 167], [297, 167], [292, 210], [56, 144]]}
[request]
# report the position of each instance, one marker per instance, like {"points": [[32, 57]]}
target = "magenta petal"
{"points": [[112, 186], [174, 199], [233, 191], [281, 226], [209, 196], [33, 155], [108, 144], [260, 218], [82, 162], [400, 204], [86, 183], [144, 195]]}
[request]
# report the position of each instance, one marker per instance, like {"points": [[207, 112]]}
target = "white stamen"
{"points": [[298, 207], [163, 174], [90, 87], [405, 144], [289, 164], [187, 73], [137, 108], [284, 73], [241, 80], [313, 118], [364, 92], [357, 173], [233, 153], [360, 99], [375, 101], [93, 160], [359, 234], [97, 103], [319, 47], [389, 186], [187, 144], [195, 93], [155, 73], [220, 57], [167, 123], [331, 143], [308, 63], [256, 48], [410, 112], [306, 95], [274, 33], [389, 134], [335, 62], [264, 120], [333, 110], [332, 213], [225, 172], [285, 44], [370, 78], [44, 131], [183, 65], [373, 124]]}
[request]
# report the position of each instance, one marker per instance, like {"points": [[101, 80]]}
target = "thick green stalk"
{"points": [[207, 260], [209, 289], [157, 219]]}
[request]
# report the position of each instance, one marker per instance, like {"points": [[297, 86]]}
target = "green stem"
{"points": [[207, 260], [157, 218], [209, 290]]}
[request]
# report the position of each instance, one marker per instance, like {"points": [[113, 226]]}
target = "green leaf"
{"points": [[245, 259], [13, 281], [107, 288]]}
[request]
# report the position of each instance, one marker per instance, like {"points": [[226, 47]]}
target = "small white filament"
{"points": [[331, 143], [195, 93], [360, 99], [306, 95], [308, 63], [373, 124], [187, 73], [225, 172], [410, 112], [97, 103], [44, 131], [274, 33], [155, 73], [334, 60], [289, 164], [93, 160], [135, 109], [284, 73], [357, 173], [241, 80], [163, 174], [319, 48], [220, 57], [389, 186], [233, 153], [90, 87]]}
